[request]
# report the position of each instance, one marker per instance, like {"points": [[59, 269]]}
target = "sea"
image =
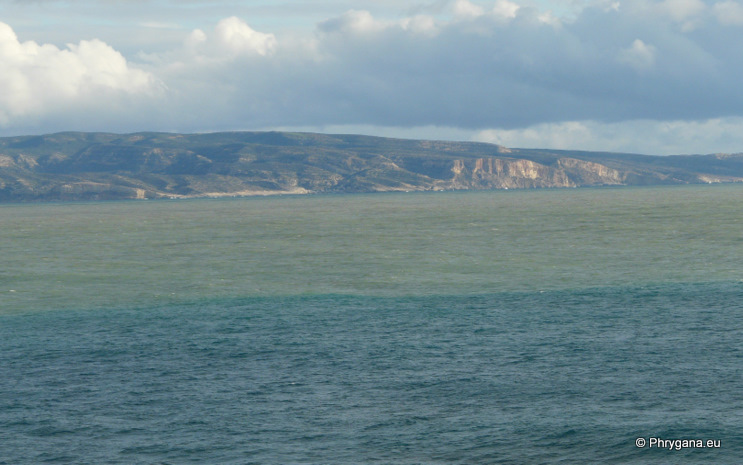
{"points": [[554, 326]]}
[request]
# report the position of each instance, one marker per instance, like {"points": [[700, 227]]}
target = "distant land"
{"points": [[97, 166]]}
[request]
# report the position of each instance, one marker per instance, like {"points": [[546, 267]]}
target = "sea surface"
{"points": [[503, 327]]}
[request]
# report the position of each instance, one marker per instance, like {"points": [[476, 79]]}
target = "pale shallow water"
{"points": [[520, 327]]}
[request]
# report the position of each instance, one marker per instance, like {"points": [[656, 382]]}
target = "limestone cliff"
{"points": [[509, 173]]}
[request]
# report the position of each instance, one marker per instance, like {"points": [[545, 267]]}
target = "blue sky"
{"points": [[657, 77]]}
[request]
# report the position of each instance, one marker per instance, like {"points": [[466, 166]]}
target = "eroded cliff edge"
{"points": [[75, 166]]}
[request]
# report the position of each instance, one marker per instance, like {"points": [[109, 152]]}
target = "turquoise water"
{"points": [[553, 326]]}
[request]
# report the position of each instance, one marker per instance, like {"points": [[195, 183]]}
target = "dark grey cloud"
{"points": [[490, 71]]}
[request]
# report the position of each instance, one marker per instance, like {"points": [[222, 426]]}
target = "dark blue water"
{"points": [[505, 378]]}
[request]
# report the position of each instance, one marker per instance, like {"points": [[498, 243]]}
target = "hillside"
{"points": [[77, 166]]}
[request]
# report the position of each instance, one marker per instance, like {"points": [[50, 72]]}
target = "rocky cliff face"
{"points": [[507, 173], [151, 165]]}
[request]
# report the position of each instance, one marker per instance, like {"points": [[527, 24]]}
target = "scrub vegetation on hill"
{"points": [[79, 166]]}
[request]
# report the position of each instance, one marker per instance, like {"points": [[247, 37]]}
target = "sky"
{"points": [[642, 76]]}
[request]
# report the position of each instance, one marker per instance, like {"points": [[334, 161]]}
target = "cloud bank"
{"points": [[501, 70], [45, 82]]}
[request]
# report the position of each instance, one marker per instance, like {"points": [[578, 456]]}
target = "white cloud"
{"points": [[505, 9], [195, 38], [565, 135], [236, 36], [362, 22], [689, 14], [729, 13], [549, 18], [639, 55], [231, 43], [353, 21], [40, 79], [673, 137], [420, 24], [682, 10], [467, 9]]}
